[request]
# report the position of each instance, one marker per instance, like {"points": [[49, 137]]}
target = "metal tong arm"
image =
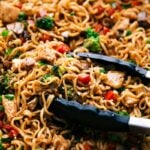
{"points": [[127, 66], [89, 115]]}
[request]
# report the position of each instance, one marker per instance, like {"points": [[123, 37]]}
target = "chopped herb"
{"points": [[4, 84], [0, 98], [102, 70], [58, 70], [132, 61], [121, 89], [5, 33], [1, 108], [22, 16], [123, 113], [72, 13], [43, 62], [6, 140], [128, 32], [126, 5], [46, 77], [17, 54], [8, 51], [9, 96], [1, 146], [46, 23], [91, 33]]}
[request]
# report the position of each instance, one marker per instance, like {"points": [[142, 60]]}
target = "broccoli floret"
{"points": [[92, 44], [91, 33], [46, 23], [58, 70]]}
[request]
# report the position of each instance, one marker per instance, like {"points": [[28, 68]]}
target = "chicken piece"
{"points": [[122, 24], [10, 108], [114, 79], [8, 13], [28, 63], [16, 27], [47, 55]]}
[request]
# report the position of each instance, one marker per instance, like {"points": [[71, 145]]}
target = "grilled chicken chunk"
{"points": [[47, 55], [114, 79], [10, 108], [8, 13]]}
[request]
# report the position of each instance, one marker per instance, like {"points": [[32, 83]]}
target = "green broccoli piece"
{"points": [[58, 70], [46, 23], [22, 16], [91, 33], [92, 44]]}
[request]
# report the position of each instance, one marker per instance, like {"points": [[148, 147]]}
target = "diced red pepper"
{"points": [[19, 5], [8, 127], [110, 95], [2, 114], [1, 124], [97, 27], [87, 146], [13, 133], [45, 37], [63, 48], [84, 78], [105, 30], [100, 10], [111, 11], [119, 7], [135, 3]]}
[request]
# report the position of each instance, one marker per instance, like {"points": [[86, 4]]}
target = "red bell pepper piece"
{"points": [[110, 95], [84, 78]]}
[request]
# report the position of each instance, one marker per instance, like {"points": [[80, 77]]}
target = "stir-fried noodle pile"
{"points": [[35, 40]]}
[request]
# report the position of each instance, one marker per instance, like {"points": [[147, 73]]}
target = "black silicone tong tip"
{"points": [[130, 68], [90, 116]]}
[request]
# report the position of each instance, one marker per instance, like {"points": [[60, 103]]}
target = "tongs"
{"points": [[93, 117]]}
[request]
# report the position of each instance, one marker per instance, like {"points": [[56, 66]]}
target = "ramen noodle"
{"points": [[36, 37]]}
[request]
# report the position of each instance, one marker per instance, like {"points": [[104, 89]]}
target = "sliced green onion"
{"points": [[5, 33], [72, 13], [6, 140], [1, 108], [148, 41], [0, 98], [8, 51], [43, 62], [102, 70], [126, 6], [132, 61], [46, 77], [1, 146], [128, 32], [9, 96], [121, 89], [123, 113]]}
